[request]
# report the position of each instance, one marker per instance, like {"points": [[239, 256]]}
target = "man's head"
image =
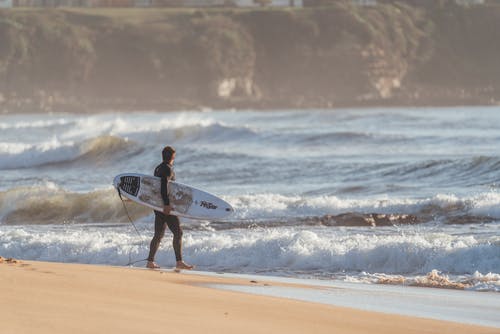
{"points": [[168, 154]]}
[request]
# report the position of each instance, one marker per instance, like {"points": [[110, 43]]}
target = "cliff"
{"points": [[330, 56]]}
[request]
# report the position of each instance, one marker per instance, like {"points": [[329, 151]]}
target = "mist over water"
{"points": [[352, 193]]}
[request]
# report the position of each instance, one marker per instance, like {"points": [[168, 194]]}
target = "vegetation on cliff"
{"points": [[337, 55]]}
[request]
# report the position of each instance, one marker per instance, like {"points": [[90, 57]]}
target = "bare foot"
{"points": [[152, 265], [183, 265]]}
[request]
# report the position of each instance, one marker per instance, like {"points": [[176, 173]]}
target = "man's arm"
{"points": [[164, 191]]}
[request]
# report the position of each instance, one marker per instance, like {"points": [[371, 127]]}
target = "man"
{"points": [[162, 219]]}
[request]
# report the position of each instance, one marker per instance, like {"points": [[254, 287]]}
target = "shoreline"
{"points": [[447, 304], [49, 297]]}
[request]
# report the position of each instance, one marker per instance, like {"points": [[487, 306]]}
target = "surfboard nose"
{"points": [[116, 181]]}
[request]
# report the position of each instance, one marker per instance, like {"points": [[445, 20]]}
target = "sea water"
{"points": [[406, 196]]}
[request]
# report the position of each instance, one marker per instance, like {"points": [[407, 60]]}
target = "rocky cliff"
{"points": [[331, 56]]}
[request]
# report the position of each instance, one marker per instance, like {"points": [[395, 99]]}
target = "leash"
{"points": [[135, 227]]}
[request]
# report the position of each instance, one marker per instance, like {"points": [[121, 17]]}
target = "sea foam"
{"points": [[313, 252]]}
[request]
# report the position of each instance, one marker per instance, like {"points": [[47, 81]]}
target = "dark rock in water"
{"points": [[370, 219], [468, 219]]}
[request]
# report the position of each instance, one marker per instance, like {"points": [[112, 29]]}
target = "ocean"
{"points": [[406, 196]]}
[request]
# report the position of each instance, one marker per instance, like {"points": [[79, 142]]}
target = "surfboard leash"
{"points": [[135, 227]]}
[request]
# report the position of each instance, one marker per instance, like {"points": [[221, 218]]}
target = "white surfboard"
{"points": [[186, 201]]}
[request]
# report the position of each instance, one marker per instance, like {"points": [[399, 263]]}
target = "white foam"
{"points": [[486, 204], [318, 252], [23, 155], [268, 205], [117, 125], [435, 278], [16, 155], [92, 245], [33, 124]]}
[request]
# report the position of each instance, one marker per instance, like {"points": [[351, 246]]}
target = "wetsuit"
{"points": [[166, 172]]}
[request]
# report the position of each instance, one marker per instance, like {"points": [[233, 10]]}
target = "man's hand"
{"points": [[167, 209]]}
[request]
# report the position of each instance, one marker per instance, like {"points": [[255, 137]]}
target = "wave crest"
{"points": [[14, 155], [52, 205], [379, 211], [101, 147]]}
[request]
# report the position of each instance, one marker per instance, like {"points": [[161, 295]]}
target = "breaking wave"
{"points": [[47, 124], [458, 261], [379, 211], [15, 155], [50, 204]]}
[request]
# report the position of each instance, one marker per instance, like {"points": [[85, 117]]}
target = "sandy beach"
{"points": [[47, 297]]}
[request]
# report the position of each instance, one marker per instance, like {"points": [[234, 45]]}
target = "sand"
{"points": [[41, 297]]}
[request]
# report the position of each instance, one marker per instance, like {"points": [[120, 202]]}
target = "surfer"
{"points": [[162, 219]]}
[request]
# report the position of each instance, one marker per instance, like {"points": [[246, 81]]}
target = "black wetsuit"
{"points": [[166, 172]]}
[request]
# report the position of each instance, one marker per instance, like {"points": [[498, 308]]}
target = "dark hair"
{"points": [[167, 153]]}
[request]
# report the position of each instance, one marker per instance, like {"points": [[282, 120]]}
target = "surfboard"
{"points": [[186, 201]]}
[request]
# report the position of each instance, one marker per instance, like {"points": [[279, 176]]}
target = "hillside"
{"points": [[170, 59]]}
